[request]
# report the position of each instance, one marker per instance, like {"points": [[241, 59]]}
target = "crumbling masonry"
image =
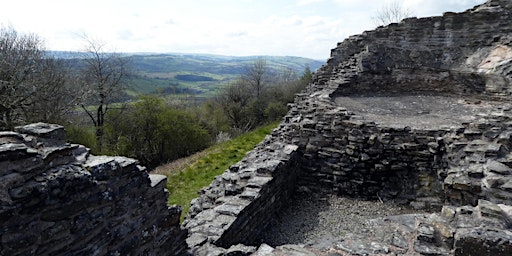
{"points": [[417, 112]]}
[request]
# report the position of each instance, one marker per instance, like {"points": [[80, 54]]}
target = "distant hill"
{"points": [[198, 74]]}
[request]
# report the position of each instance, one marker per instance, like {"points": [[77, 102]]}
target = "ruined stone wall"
{"points": [[348, 154], [356, 157], [345, 153], [57, 199], [457, 53], [240, 203], [337, 151]]}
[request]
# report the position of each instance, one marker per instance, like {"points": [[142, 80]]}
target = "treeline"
{"points": [[89, 99], [157, 130]]}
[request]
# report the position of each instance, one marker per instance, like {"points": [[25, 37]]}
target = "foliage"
{"points": [[211, 118], [307, 76], [275, 111], [183, 184], [154, 133], [81, 135], [256, 99]]}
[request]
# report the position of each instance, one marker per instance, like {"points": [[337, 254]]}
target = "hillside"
{"points": [[202, 74], [196, 74]]}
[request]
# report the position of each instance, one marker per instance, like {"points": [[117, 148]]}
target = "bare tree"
{"points": [[104, 75], [55, 96], [256, 75], [31, 82], [391, 13]]}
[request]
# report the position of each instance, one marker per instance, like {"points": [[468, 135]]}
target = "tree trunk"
{"points": [[99, 127]]}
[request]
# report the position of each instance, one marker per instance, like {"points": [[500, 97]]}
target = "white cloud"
{"points": [[231, 27], [306, 2]]}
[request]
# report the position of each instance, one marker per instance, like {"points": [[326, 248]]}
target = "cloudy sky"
{"points": [[307, 28]]}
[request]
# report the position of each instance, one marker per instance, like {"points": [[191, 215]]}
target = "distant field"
{"points": [[199, 75], [202, 74]]}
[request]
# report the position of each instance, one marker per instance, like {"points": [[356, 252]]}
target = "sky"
{"points": [[305, 28]]}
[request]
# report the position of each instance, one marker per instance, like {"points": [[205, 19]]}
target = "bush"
{"points": [[82, 135], [275, 111], [154, 133]]}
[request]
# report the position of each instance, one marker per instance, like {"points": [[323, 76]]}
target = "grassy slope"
{"points": [[187, 176]]}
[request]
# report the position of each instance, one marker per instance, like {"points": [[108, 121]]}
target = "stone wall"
{"points": [[240, 203], [57, 199], [458, 53], [463, 55]]}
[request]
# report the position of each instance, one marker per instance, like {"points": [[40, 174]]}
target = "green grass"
{"points": [[185, 182]]}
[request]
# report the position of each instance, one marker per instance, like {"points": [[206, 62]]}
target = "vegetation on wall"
{"points": [[184, 181]]}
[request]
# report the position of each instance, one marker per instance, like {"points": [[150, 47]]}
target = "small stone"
{"points": [[227, 209], [448, 212], [264, 250], [489, 210], [498, 167], [157, 179]]}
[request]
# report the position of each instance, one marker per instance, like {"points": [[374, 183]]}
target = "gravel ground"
{"points": [[420, 111], [324, 219]]}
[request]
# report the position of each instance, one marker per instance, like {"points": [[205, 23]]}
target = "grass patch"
{"points": [[185, 177]]}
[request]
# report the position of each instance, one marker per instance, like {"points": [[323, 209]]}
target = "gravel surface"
{"points": [[419, 111], [324, 219]]}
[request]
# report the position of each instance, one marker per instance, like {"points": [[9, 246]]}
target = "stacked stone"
{"points": [[345, 154], [434, 55], [479, 230], [480, 161], [57, 199], [348, 155], [240, 203]]}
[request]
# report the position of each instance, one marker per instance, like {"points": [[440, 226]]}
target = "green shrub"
{"points": [[154, 133], [275, 111], [82, 135]]}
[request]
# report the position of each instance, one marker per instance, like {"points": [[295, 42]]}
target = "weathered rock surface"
{"points": [[415, 113], [57, 199]]}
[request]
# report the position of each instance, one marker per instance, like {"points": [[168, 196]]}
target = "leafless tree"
{"points": [[256, 75], [31, 82], [56, 94], [103, 75], [391, 13]]}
